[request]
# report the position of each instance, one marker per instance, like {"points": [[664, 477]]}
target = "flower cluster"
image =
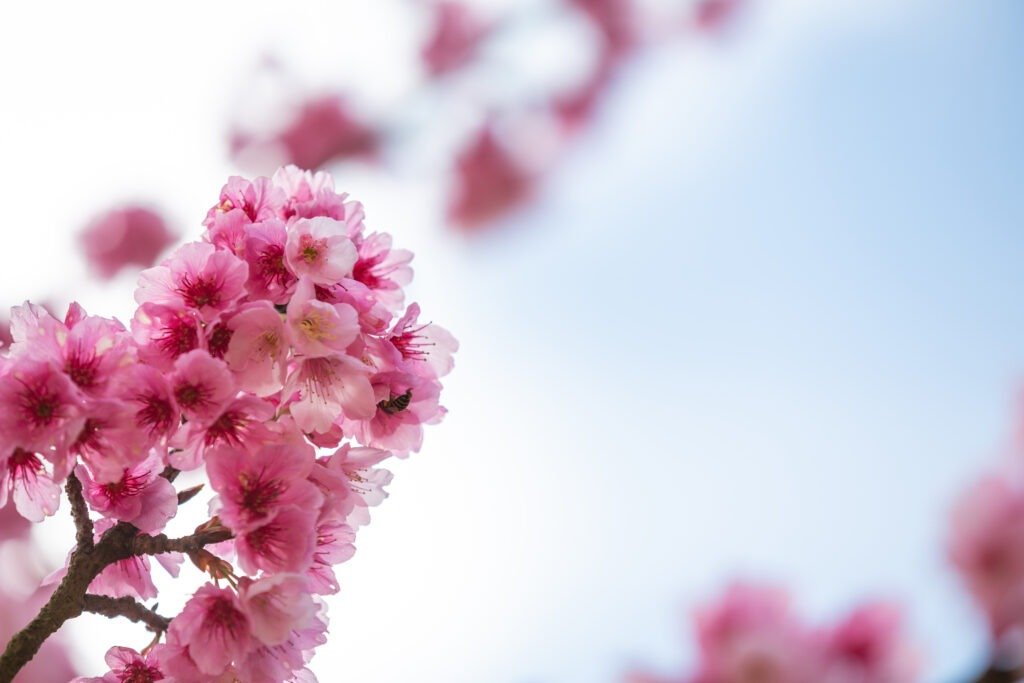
{"points": [[752, 635], [277, 356]]}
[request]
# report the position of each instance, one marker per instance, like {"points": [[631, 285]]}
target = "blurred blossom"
{"points": [[454, 39], [323, 129], [617, 21], [489, 181], [486, 179], [986, 545], [713, 15], [125, 236], [5, 331], [751, 634]]}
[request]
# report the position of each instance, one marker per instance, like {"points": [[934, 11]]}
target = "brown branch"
{"points": [[79, 513], [70, 598], [144, 544], [994, 674], [129, 608]]}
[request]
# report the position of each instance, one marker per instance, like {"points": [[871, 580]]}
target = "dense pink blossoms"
{"points": [[752, 635], [276, 356]]}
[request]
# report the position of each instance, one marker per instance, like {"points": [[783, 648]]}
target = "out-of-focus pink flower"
{"points": [[489, 181], [324, 129], [455, 37], [713, 15], [986, 546], [615, 20], [751, 634], [125, 236], [869, 646]]}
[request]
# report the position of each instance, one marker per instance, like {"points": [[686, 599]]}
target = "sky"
{"points": [[761, 324]]}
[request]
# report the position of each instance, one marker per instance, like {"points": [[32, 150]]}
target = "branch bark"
{"points": [[70, 598], [79, 513], [129, 608]]}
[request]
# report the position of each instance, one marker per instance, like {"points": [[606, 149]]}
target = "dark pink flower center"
{"points": [[24, 464], [219, 339], [178, 337], [311, 249], [89, 438], [82, 367], [411, 344], [155, 413], [128, 486], [258, 494], [270, 265], [227, 427], [191, 395], [139, 672], [40, 405], [199, 292]]}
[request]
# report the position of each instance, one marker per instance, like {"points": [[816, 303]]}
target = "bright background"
{"points": [[764, 323]]}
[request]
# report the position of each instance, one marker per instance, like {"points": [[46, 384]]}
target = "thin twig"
{"points": [[145, 544], [129, 608]]}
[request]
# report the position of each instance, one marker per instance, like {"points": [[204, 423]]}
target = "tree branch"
{"points": [[70, 599], [145, 544], [79, 513], [129, 608]]}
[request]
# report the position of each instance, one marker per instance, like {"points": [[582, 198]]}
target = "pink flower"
{"points": [[405, 402], [196, 276], [141, 496], [40, 408], [91, 350], [986, 546], [257, 351], [254, 487], [489, 181], [334, 545], [23, 478], [269, 274], [128, 666], [425, 349], [312, 194], [148, 393], [317, 329], [318, 249], [350, 480], [276, 606], [109, 441], [202, 386], [165, 333], [454, 39], [241, 423], [869, 647], [713, 15], [125, 236], [382, 269], [327, 389], [285, 543], [213, 630], [255, 201]]}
